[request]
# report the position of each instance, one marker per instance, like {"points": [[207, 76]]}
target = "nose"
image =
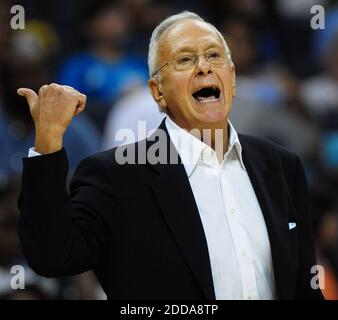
{"points": [[202, 66]]}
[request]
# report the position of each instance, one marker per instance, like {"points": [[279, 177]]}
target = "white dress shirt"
{"points": [[234, 227]]}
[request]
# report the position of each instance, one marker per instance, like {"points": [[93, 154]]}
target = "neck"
{"points": [[218, 140], [216, 136]]}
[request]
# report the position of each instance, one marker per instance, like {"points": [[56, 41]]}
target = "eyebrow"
{"points": [[190, 49]]}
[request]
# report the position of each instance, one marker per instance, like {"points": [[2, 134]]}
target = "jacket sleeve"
{"points": [[63, 234], [307, 258]]}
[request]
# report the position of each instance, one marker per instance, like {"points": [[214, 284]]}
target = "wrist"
{"points": [[48, 141]]}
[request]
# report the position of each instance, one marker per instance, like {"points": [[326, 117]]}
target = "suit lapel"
{"points": [[175, 197], [272, 198]]}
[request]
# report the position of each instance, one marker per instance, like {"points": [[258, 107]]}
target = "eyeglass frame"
{"points": [[196, 59]]}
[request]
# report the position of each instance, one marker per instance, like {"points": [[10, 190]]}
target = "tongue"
{"points": [[200, 98]]}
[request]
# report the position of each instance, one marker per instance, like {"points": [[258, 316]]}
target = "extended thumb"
{"points": [[29, 94]]}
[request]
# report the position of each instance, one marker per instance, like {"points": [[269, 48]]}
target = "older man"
{"points": [[228, 221]]}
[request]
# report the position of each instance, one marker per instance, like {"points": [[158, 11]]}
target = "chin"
{"points": [[213, 117], [211, 113], [215, 123]]}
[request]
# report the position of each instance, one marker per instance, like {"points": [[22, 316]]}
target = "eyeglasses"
{"points": [[188, 61]]}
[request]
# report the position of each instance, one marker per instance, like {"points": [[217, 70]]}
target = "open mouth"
{"points": [[207, 94]]}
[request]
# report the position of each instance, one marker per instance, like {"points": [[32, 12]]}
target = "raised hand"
{"points": [[52, 109]]}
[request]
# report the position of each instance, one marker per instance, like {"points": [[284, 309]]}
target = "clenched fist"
{"points": [[52, 109]]}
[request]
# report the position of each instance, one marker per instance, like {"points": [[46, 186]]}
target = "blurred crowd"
{"points": [[287, 91]]}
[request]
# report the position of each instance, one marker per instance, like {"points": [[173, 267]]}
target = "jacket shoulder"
{"points": [[267, 148]]}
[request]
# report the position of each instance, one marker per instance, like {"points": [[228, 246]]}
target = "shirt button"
{"points": [[232, 210], [243, 252]]}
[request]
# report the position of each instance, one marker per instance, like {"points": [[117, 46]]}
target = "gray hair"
{"points": [[164, 25]]}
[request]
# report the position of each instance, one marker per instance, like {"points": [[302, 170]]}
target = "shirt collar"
{"points": [[191, 149]]}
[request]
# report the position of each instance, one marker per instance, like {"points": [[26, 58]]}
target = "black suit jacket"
{"points": [[138, 227]]}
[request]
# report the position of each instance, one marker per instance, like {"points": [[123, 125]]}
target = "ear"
{"points": [[156, 91], [233, 76]]}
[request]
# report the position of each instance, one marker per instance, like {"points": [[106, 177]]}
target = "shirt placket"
{"points": [[240, 240]]}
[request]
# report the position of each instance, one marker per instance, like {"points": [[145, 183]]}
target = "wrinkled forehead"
{"points": [[187, 33]]}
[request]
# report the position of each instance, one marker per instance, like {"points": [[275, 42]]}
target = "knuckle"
{"points": [[54, 85], [44, 87], [67, 88]]}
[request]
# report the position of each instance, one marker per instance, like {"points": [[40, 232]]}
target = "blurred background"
{"points": [[287, 91]]}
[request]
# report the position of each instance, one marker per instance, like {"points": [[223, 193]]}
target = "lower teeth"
{"points": [[206, 101]]}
